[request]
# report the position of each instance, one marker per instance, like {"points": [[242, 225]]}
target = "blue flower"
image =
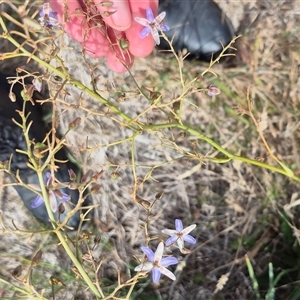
{"points": [[47, 17], [180, 235], [156, 263], [152, 25], [53, 195]]}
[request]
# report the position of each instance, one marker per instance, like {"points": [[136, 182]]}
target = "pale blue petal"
{"points": [[149, 253], [178, 225], [188, 238], [37, 202], [48, 179], [145, 267], [52, 201], [155, 275], [149, 15], [145, 32], [164, 27], [53, 14], [188, 229], [169, 231], [167, 273], [171, 240], [168, 261], [41, 13], [65, 197], [159, 252]]}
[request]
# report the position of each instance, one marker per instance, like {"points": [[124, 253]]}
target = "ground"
{"points": [[242, 208]]}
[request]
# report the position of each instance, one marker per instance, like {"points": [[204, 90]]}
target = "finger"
{"points": [[72, 17], [137, 46], [118, 59], [115, 13]]}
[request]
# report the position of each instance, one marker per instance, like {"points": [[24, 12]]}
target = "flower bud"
{"points": [[87, 177], [72, 175], [74, 123]]}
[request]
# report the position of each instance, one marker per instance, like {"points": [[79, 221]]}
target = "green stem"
{"points": [[229, 155]]}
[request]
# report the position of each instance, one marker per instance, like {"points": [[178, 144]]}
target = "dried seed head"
{"points": [[26, 94], [54, 280], [95, 188], [85, 235], [182, 135], [97, 175], [114, 175], [159, 195], [36, 259], [97, 239], [61, 208], [39, 150], [146, 204], [17, 271]]}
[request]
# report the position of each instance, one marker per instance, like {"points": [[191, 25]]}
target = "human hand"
{"points": [[106, 28]]}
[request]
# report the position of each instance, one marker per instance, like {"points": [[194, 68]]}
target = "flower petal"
{"points": [[37, 202], [149, 15], [146, 267], [180, 243], [169, 231], [159, 252], [142, 21], [171, 240], [188, 238], [188, 229], [65, 197], [155, 36], [155, 275], [52, 201], [160, 17], [149, 253], [164, 27], [48, 179], [53, 14], [145, 32], [178, 225], [166, 272], [168, 261]]}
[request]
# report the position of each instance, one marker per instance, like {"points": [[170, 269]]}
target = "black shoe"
{"points": [[200, 27], [12, 138]]}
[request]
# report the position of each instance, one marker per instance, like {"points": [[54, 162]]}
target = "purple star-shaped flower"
{"points": [[47, 17], [180, 235], [156, 263], [152, 25], [53, 195]]}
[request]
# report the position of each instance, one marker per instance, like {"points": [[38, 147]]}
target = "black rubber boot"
{"points": [[199, 27], [12, 138]]}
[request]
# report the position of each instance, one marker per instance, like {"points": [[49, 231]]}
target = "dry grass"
{"points": [[236, 206]]}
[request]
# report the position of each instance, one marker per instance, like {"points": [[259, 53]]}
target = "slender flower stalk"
{"points": [[156, 263], [180, 235]]}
